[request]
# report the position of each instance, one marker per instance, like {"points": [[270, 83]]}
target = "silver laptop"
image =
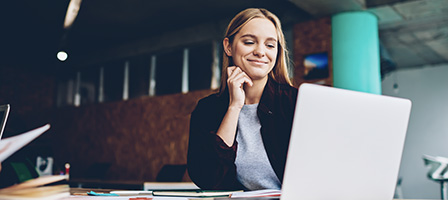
{"points": [[344, 145], [4, 113]]}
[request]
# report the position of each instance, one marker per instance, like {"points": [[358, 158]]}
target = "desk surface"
{"points": [[78, 191], [85, 190]]}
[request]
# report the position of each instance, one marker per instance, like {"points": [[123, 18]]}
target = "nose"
{"points": [[259, 51]]}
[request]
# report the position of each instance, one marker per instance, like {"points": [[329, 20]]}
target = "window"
{"points": [[66, 89], [113, 81], [139, 76], [200, 66], [169, 72], [88, 88], [185, 69]]}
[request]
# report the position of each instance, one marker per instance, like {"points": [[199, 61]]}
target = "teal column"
{"points": [[356, 56]]}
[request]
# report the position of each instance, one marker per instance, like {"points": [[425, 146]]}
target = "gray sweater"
{"points": [[254, 170]]}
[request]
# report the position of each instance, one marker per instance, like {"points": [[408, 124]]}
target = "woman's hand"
{"points": [[235, 81]]}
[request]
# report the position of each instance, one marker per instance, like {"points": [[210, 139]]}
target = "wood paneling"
{"points": [[309, 38], [127, 140]]}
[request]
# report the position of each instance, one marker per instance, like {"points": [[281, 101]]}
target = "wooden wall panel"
{"points": [[309, 38], [128, 140]]}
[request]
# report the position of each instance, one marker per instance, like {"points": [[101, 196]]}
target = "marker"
{"points": [[92, 193], [67, 169]]}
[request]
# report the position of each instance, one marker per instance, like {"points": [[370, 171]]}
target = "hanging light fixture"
{"points": [[72, 12]]}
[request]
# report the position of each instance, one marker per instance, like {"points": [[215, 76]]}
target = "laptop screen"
{"points": [[4, 112], [344, 145]]}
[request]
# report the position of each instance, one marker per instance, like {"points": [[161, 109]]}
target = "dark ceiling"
{"points": [[414, 32], [33, 30]]}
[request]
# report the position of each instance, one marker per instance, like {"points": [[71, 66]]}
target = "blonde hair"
{"points": [[280, 71]]}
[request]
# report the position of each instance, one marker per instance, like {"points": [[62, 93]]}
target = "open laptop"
{"points": [[4, 113], [344, 145]]}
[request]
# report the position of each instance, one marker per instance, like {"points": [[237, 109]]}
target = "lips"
{"points": [[259, 62]]}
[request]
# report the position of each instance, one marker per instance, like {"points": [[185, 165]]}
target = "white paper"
{"points": [[73, 197], [10, 145], [257, 193]]}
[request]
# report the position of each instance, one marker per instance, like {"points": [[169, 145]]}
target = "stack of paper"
{"points": [[35, 189], [169, 186]]}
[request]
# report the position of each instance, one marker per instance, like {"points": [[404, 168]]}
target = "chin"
{"points": [[258, 76]]}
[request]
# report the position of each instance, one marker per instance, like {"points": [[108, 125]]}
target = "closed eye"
{"points": [[271, 45], [249, 42]]}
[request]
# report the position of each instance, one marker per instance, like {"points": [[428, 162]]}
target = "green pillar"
{"points": [[356, 56]]}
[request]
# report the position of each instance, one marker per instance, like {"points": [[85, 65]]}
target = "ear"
{"points": [[227, 47]]}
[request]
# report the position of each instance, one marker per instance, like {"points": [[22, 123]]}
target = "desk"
{"points": [[85, 190]]}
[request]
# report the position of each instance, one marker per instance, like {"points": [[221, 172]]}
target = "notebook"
{"points": [[10, 145], [4, 113], [344, 145]]}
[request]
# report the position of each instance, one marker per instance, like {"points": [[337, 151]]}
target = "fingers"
{"points": [[235, 74], [230, 70]]}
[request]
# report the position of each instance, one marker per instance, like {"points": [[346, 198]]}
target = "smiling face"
{"points": [[254, 48]]}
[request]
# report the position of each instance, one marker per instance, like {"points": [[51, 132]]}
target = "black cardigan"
{"points": [[211, 163]]}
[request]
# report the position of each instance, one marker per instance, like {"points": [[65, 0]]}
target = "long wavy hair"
{"points": [[280, 71]]}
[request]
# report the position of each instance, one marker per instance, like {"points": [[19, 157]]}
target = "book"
{"points": [[10, 145], [170, 186], [38, 188], [194, 193], [34, 189]]}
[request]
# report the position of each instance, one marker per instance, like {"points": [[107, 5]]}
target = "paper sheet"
{"points": [[10, 145]]}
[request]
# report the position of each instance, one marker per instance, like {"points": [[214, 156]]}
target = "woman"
{"points": [[239, 137]]}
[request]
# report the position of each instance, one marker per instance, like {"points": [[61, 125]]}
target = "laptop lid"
{"points": [[344, 145], [4, 113]]}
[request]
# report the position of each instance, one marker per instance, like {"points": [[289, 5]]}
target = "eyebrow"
{"points": [[253, 36]]}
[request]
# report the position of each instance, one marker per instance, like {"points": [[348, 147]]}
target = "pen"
{"points": [[131, 193], [92, 193]]}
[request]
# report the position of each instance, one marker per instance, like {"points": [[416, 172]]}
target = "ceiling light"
{"points": [[62, 56]]}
